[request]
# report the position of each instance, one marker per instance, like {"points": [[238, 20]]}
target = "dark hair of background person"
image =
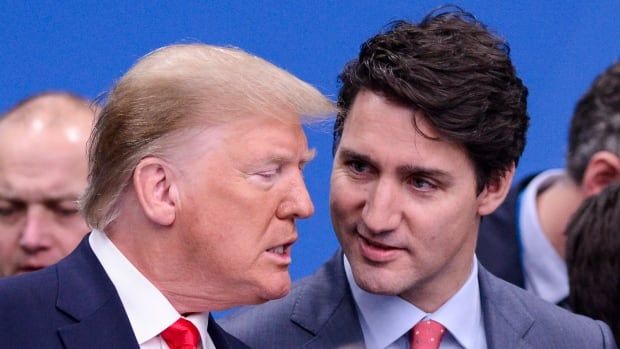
{"points": [[458, 73], [593, 258], [595, 125]]}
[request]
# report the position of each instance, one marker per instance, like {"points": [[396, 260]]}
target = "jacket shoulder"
{"points": [[540, 323], [28, 314], [313, 312], [269, 324], [35, 290], [566, 329]]}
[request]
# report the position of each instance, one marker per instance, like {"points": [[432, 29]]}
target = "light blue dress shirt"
{"points": [[545, 270], [387, 320]]}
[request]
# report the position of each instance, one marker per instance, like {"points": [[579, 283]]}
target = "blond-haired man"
{"points": [[195, 185], [43, 171]]}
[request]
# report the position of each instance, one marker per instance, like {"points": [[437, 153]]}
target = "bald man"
{"points": [[43, 171]]}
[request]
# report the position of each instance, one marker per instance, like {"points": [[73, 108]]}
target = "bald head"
{"points": [[50, 109], [43, 170]]}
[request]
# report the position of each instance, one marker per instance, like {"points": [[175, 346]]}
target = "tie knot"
{"points": [[181, 335], [426, 334]]}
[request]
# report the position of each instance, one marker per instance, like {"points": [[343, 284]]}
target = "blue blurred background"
{"points": [[557, 46]]}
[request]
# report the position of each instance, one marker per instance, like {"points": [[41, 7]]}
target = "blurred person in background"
{"points": [[524, 240], [593, 258], [43, 170]]}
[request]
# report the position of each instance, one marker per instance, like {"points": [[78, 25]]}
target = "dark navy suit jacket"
{"points": [[72, 304], [320, 313], [498, 248]]}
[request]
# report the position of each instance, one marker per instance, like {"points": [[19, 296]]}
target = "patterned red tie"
{"points": [[181, 335], [426, 334]]}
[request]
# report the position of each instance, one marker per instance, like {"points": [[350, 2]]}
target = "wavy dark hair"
{"points": [[593, 258], [458, 73]]}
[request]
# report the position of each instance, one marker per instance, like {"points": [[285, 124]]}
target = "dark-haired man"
{"points": [[432, 123], [524, 241]]}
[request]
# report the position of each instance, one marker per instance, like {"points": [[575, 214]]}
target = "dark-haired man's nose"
{"points": [[382, 210]]}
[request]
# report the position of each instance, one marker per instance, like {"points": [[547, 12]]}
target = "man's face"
{"points": [[404, 206], [42, 174], [239, 200]]}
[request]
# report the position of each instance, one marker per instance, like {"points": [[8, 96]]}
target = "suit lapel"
{"points": [[86, 294], [104, 329], [506, 320], [341, 331], [326, 309]]}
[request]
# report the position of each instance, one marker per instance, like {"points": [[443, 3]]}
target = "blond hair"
{"points": [[176, 88]]}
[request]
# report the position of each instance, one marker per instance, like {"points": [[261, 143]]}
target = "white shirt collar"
{"points": [[545, 271], [386, 320], [148, 310]]}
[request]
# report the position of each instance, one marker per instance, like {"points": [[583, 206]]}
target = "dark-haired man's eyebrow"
{"points": [[424, 172], [348, 154]]}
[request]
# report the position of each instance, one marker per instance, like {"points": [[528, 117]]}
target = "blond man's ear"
{"points": [[155, 190]]}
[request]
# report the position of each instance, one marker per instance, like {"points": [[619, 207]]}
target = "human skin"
{"points": [[404, 205], [43, 171]]}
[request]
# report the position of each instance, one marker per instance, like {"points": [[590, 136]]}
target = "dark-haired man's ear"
{"points": [[602, 170], [495, 192], [152, 180]]}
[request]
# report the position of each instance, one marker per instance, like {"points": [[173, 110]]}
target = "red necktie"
{"points": [[181, 335], [426, 334]]}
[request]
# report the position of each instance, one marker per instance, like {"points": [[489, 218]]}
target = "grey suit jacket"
{"points": [[320, 312]]}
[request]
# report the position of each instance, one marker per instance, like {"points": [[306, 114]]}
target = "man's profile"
{"points": [[195, 184]]}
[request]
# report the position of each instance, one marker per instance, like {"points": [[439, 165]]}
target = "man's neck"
{"points": [[146, 252], [555, 206], [429, 299], [149, 252]]}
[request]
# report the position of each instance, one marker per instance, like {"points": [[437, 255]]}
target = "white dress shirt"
{"points": [[544, 269], [149, 312], [387, 320]]}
